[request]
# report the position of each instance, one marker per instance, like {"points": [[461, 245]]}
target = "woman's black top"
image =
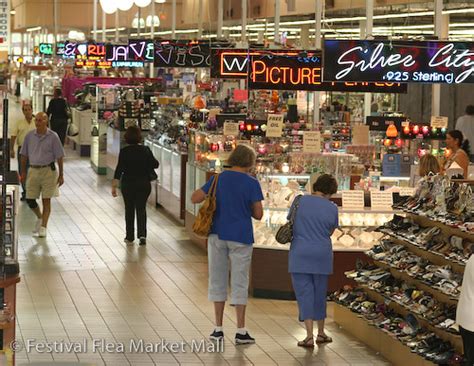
{"points": [[57, 109], [135, 162]]}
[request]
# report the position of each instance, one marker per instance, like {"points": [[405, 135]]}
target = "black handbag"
{"points": [[284, 234]]}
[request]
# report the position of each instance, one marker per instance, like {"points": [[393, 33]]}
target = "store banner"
{"points": [[302, 71], [229, 63], [60, 47], [274, 125], [380, 123], [46, 49], [182, 53], [116, 52], [399, 61], [141, 50]]}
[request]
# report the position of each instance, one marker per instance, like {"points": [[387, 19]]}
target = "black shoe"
{"points": [[23, 198], [244, 338], [217, 336], [142, 241]]}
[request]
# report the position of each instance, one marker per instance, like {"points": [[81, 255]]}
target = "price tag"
{"points": [[439, 122], [405, 124], [407, 191], [231, 128], [381, 200], [353, 199], [311, 141], [274, 125]]}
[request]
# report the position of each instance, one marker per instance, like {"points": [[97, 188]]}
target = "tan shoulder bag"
{"points": [[202, 224]]}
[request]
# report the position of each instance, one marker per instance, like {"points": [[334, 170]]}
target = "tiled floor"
{"points": [[83, 283]]}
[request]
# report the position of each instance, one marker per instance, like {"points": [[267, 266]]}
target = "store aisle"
{"points": [[83, 283]]}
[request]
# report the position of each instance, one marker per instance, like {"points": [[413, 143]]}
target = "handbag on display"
{"points": [[72, 129], [202, 224], [284, 234]]}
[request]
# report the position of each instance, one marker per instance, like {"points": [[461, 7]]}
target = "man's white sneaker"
{"points": [[37, 226], [42, 232], [129, 242]]}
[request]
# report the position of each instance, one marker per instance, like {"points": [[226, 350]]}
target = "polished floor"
{"points": [[82, 284]]}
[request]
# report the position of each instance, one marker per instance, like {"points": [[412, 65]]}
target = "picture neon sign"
{"points": [[401, 61], [182, 54], [141, 50]]}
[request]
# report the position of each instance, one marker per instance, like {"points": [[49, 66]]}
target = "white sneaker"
{"points": [[37, 226], [42, 232], [129, 242]]}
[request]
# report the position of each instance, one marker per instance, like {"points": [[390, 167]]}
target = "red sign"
{"points": [[241, 95]]}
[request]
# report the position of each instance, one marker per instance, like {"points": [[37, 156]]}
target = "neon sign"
{"points": [[46, 49], [182, 54], [116, 52], [141, 50], [95, 51], [128, 64], [302, 71], [60, 47], [400, 61]]}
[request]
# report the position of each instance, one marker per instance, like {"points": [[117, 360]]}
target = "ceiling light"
{"points": [[13, 12], [34, 29], [124, 5], [156, 21], [160, 1], [108, 6], [142, 3]]}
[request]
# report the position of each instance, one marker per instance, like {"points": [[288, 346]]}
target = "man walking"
{"points": [[42, 147], [19, 130]]}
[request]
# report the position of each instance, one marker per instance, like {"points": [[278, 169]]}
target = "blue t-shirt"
{"points": [[235, 194], [311, 247]]}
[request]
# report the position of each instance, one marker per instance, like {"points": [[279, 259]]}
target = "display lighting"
{"points": [[392, 131], [406, 130], [399, 143], [108, 6], [155, 19], [142, 3], [124, 5], [387, 142], [425, 130], [416, 129]]}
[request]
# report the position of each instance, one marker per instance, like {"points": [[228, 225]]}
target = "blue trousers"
{"points": [[311, 293]]}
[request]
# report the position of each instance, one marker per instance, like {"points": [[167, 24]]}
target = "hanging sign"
{"points": [[439, 122], [133, 64], [380, 123], [182, 53], [5, 24], [241, 95], [353, 199], [231, 128], [399, 61], [95, 51], [302, 70], [274, 125], [380, 200], [141, 50], [60, 46], [116, 52], [311, 141], [46, 49]]}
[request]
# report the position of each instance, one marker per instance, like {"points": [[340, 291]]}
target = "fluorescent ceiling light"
{"points": [[34, 29], [12, 12], [110, 30]]}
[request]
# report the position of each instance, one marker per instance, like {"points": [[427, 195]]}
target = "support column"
{"points": [[369, 24], [276, 37], [103, 25], [304, 37], [199, 19], [244, 23], [117, 25], [55, 13], [173, 19], [139, 27], [317, 45], [260, 36], [94, 20], [220, 17], [442, 32], [152, 31]]}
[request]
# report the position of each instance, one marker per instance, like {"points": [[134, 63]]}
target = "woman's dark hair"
{"points": [[57, 92], [326, 184], [133, 135], [470, 110], [463, 144]]}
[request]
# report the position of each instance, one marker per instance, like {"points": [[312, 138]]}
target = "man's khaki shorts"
{"points": [[42, 181]]}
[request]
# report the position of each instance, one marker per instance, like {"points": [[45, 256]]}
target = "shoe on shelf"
{"points": [[244, 338], [42, 232], [142, 241], [38, 224], [217, 336], [128, 242]]}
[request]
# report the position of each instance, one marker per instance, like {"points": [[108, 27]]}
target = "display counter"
{"points": [[83, 122], [169, 191], [115, 142]]}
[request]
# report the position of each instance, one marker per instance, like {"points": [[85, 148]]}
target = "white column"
{"points": [[244, 21], [55, 11], [260, 36], [317, 45], [94, 19], [117, 25], [220, 17], [304, 37], [103, 25], [152, 31], [173, 19], [199, 19], [139, 21], [369, 24], [277, 22], [436, 88]]}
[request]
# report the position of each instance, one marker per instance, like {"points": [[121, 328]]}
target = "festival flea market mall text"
{"points": [[105, 346]]}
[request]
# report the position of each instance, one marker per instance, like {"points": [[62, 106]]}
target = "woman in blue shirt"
{"points": [[238, 199], [310, 257]]}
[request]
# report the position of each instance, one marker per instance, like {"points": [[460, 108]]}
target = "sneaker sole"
{"points": [[217, 339], [244, 341]]}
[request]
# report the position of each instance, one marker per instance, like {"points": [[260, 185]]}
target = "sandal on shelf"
{"points": [[323, 338], [308, 342]]}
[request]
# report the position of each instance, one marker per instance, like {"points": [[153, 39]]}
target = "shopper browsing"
{"points": [[19, 130], [428, 165], [135, 170], [465, 311], [58, 112], [459, 150], [311, 258], [238, 197], [465, 124], [41, 148]]}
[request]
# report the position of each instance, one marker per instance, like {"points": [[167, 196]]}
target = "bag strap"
{"points": [[294, 208], [212, 190]]}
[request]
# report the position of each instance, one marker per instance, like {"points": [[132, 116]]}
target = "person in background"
{"points": [[41, 148], [428, 164], [58, 112], [465, 124], [134, 171], [459, 151], [18, 133], [465, 313], [310, 258], [238, 199]]}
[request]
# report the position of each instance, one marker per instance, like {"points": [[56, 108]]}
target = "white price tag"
{"points": [[311, 141], [381, 200], [407, 191], [439, 122], [274, 125], [231, 128], [353, 199]]}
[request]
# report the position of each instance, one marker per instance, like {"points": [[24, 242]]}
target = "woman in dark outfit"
{"points": [[134, 170], [58, 114]]}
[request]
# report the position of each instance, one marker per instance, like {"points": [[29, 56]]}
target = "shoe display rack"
{"points": [[406, 297]]}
